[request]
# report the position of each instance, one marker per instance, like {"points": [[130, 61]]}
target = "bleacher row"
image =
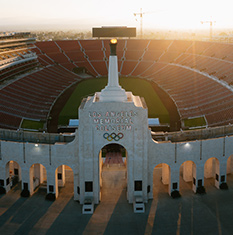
{"points": [[15, 59], [178, 67], [135, 56], [196, 95], [113, 158], [32, 96]]}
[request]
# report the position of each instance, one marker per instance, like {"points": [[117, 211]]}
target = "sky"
{"points": [[84, 14]]}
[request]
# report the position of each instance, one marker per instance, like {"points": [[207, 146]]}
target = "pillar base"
{"points": [[223, 186], [113, 94], [200, 190], [25, 193], [175, 194], [2, 190], [50, 197]]}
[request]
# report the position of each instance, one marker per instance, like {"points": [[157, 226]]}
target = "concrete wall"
{"points": [[50, 156], [199, 158]]}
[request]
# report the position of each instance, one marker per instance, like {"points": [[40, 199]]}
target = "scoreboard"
{"points": [[114, 32]]}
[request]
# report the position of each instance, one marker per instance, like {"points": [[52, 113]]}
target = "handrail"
{"points": [[35, 137], [192, 135]]}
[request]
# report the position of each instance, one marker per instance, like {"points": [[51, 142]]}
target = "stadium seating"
{"points": [[48, 47], [9, 121], [194, 94], [33, 95], [142, 67], [17, 69], [197, 75], [16, 56], [113, 158]]}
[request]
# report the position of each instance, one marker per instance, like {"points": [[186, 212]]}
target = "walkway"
{"points": [[190, 214]]}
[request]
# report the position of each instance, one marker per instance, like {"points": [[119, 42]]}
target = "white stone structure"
{"points": [[120, 119], [112, 116], [199, 159]]}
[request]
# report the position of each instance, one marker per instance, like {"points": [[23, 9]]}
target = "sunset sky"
{"points": [[83, 14]]}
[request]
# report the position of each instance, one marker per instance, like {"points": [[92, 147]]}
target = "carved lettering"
{"points": [[113, 121], [96, 120], [128, 128], [107, 120]]}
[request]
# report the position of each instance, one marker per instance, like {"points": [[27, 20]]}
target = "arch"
{"points": [[37, 177], [211, 172], [104, 145], [12, 174], [161, 179], [64, 178], [112, 167], [188, 175], [113, 153]]}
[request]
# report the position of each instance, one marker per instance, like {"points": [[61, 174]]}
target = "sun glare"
{"points": [[167, 14]]}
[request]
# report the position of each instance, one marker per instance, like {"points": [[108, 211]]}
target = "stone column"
{"points": [[61, 176], [2, 178], [150, 183], [52, 184], [209, 168], [26, 184], [16, 166], [198, 178], [31, 180], [222, 173], [230, 165], [188, 171], [217, 173], [76, 185], [174, 182], [165, 173], [38, 173], [130, 179], [7, 177]]}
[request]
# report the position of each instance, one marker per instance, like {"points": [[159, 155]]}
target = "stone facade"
{"points": [[124, 124], [118, 117]]}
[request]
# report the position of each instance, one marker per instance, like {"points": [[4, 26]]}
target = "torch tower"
{"points": [[113, 92]]}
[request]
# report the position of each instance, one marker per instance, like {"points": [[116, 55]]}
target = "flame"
{"points": [[113, 41]]}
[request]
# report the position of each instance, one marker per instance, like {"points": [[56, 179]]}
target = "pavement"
{"points": [[211, 213]]}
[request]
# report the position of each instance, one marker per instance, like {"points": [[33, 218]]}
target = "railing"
{"points": [[32, 137], [192, 135], [180, 136]]}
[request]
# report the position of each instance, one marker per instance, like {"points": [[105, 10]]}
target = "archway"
{"points": [[64, 183], [38, 177], [188, 176], [211, 172], [113, 171], [13, 174], [161, 179]]}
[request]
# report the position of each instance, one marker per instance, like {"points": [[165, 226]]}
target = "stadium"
{"points": [[195, 64], [191, 147]]}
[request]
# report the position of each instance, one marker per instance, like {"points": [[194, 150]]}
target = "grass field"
{"points": [[32, 125], [137, 86], [195, 122]]}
